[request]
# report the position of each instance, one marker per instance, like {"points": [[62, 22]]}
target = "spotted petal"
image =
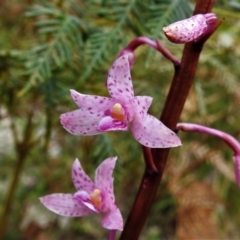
{"points": [[190, 29], [150, 132], [104, 181], [119, 80], [141, 106], [92, 103], [113, 219], [81, 122], [65, 205], [80, 179]]}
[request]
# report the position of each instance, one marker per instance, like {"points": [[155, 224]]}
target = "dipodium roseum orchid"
{"points": [[100, 114], [91, 197], [190, 29]]}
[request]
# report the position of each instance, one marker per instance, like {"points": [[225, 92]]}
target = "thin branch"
{"points": [[227, 138], [149, 163], [157, 45], [22, 151]]}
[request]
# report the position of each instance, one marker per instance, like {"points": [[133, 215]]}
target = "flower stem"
{"points": [[166, 53], [112, 234], [157, 45], [227, 138], [180, 87], [148, 159]]}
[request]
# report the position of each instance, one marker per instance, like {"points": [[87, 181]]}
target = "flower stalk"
{"points": [[227, 138], [157, 45], [112, 234], [180, 87]]}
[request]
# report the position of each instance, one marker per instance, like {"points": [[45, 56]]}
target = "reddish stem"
{"points": [[227, 138], [157, 45], [180, 87], [149, 163], [112, 234]]}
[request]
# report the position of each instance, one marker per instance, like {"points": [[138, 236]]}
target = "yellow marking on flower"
{"points": [[95, 198], [118, 112], [168, 32]]}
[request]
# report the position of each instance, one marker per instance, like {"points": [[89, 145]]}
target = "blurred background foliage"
{"points": [[49, 47]]}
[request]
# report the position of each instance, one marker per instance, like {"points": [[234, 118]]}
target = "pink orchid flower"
{"points": [[91, 197], [100, 114], [190, 29]]}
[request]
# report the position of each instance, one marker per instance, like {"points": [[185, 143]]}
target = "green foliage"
{"points": [[63, 35]]}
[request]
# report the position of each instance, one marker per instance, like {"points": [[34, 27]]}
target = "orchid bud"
{"points": [[190, 29]]}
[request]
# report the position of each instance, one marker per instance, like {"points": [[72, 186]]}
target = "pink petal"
{"points": [[110, 124], [104, 182], [80, 179], [83, 198], [119, 80], [80, 122], [190, 29], [65, 205], [141, 105], [92, 103], [113, 219], [150, 132]]}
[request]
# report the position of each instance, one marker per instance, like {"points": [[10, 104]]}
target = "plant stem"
{"points": [[148, 158], [157, 45], [10, 195], [180, 87], [227, 138], [112, 234], [22, 151]]}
